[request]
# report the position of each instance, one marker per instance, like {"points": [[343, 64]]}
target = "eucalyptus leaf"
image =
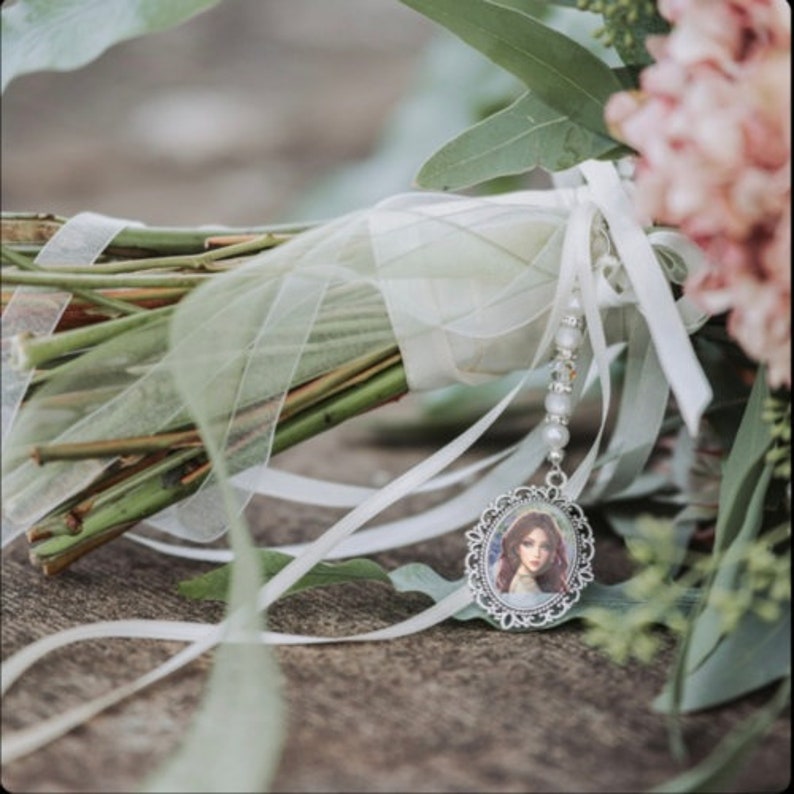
{"points": [[717, 770], [36, 35], [214, 585], [561, 72], [743, 465], [234, 742], [708, 627], [753, 655], [643, 404], [745, 480], [525, 135], [581, 25], [417, 577], [646, 484]]}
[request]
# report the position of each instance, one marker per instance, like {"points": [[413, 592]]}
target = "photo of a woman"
{"points": [[529, 557], [533, 559]]}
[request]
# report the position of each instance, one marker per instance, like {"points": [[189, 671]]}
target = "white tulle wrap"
{"points": [[470, 289]]}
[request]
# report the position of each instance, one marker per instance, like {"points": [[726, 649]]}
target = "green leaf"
{"points": [[629, 31], [65, 34], [214, 585], [525, 135], [743, 489], [717, 770], [417, 577], [234, 742], [743, 465], [562, 73], [755, 654], [745, 480]]}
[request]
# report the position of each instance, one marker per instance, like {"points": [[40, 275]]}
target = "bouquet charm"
{"points": [[530, 553]]}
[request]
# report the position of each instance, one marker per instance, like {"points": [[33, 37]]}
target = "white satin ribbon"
{"points": [[678, 360], [203, 637], [654, 299], [15, 746], [473, 328], [27, 741]]}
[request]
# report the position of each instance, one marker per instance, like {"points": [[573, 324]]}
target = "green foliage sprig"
{"points": [[626, 25], [777, 413]]}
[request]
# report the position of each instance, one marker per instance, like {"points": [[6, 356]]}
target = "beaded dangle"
{"points": [[530, 555]]}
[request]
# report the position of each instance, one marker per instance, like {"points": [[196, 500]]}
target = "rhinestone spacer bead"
{"points": [[571, 320], [556, 419], [560, 387]]}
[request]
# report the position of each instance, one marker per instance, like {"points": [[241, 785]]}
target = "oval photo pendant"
{"points": [[529, 557]]}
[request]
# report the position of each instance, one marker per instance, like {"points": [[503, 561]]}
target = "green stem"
{"points": [[382, 388], [29, 231], [34, 351], [15, 258], [340, 379], [202, 261], [170, 240], [299, 399], [148, 492], [107, 520], [116, 306], [73, 282], [113, 447]]}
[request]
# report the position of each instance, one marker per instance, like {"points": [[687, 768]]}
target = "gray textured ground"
{"points": [[460, 707]]}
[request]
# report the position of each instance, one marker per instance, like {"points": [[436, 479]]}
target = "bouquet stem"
{"points": [[29, 232], [171, 466], [139, 280]]}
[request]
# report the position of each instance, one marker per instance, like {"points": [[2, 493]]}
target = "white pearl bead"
{"points": [[556, 457], [558, 404], [568, 338], [556, 436]]}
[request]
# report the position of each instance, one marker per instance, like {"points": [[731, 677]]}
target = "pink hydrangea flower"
{"points": [[711, 124]]}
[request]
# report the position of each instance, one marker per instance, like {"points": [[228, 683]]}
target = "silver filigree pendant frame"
{"points": [[508, 527]]}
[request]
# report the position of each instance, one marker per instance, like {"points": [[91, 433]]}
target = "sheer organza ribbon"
{"points": [[469, 289], [80, 241]]}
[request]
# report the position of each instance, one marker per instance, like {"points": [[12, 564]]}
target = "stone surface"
{"points": [[459, 707]]}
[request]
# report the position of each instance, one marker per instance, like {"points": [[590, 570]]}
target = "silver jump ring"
{"points": [[556, 478]]}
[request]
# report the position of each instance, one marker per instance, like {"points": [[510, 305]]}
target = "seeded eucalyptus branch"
{"points": [[626, 24]]}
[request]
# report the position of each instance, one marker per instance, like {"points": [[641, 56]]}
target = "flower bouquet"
{"points": [[150, 374]]}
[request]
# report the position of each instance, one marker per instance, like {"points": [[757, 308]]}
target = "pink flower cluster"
{"points": [[711, 124]]}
